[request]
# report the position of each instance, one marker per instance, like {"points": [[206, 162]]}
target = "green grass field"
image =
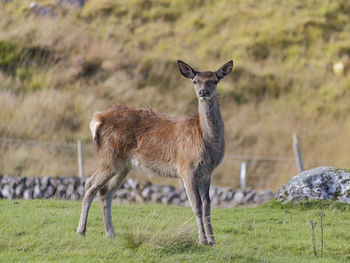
{"points": [[44, 231]]}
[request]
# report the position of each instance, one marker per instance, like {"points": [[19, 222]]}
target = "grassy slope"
{"points": [[54, 73], [45, 231]]}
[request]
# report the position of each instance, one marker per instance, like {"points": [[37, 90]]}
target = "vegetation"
{"points": [[56, 71], [44, 230]]}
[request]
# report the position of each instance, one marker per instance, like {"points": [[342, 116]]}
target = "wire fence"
{"points": [[39, 158]]}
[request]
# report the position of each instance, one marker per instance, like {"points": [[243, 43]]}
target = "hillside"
{"points": [[57, 69]]}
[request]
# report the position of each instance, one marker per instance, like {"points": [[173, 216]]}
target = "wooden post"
{"points": [[243, 175], [80, 158], [297, 154]]}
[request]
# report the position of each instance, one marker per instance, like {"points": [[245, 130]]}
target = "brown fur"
{"points": [[129, 133]]}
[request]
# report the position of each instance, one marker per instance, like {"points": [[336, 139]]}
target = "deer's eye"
{"points": [[194, 82]]}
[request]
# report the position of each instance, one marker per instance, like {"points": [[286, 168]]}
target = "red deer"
{"points": [[189, 147]]}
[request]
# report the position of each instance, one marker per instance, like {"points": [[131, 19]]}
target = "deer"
{"points": [[188, 147]]}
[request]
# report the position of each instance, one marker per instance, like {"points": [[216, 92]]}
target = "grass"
{"points": [[44, 230], [55, 72]]}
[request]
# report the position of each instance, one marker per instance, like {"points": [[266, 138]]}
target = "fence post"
{"points": [[80, 158], [297, 153], [243, 175]]}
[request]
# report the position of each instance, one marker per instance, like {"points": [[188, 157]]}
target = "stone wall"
{"points": [[131, 191]]}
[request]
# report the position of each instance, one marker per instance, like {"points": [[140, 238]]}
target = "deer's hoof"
{"points": [[211, 242], [203, 242], [82, 233]]}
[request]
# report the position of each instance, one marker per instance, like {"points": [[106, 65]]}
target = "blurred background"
{"points": [[62, 60]]}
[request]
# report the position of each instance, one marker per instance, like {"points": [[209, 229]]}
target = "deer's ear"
{"points": [[186, 70], [224, 70]]}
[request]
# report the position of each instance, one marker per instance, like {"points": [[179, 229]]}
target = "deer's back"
{"points": [[154, 142]]}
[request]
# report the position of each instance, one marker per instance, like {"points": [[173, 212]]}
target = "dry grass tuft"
{"points": [[170, 240]]}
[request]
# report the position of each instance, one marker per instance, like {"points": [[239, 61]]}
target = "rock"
{"points": [[156, 197], [41, 10], [215, 200], [45, 182], [143, 185], [49, 192], [81, 190], [249, 197], [30, 182], [226, 194], [133, 185], [213, 191], [74, 3], [7, 192], [74, 197], [165, 200], [167, 189], [146, 193], [28, 194], [37, 181], [37, 192], [70, 190], [238, 198], [262, 197], [131, 197], [122, 193], [183, 196], [61, 191], [317, 184], [54, 182], [175, 201], [20, 190]]}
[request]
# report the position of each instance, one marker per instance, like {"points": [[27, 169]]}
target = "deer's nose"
{"points": [[203, 93]]}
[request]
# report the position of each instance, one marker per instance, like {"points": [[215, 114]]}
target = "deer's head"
{"points": [[205, 82]]}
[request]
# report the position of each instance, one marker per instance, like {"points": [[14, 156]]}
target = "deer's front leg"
{"points": [[191, 185], [204, 185]]}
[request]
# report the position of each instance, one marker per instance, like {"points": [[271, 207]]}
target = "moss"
{"points": [[14, 56], [10, 55]]}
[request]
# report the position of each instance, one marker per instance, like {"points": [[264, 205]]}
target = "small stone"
{"points": [[81, 190], [165, 200], [238, 198], [183, 196], [143, 185], [134, 185], [176, 201], [37, 181], [156, 197], [37, 192], [249, 197], [7, 192], [20, 190], [49, 192], [165, 190], [70, 190], [146, 193], [45, 182], [122, 193], [213, 191], [28, 194]]}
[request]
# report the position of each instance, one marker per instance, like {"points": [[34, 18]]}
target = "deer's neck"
{"points": [[212, 128]]}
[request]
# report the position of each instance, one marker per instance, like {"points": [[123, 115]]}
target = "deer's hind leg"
{"points": [[102, 175], [106, 194]]}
